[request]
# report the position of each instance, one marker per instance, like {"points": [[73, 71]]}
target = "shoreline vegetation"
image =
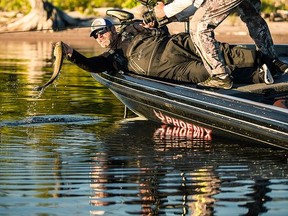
{"points": [[90, 7], [232, 30]]}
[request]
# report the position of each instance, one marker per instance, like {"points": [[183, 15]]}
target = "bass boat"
{"points": [[254, 113]]}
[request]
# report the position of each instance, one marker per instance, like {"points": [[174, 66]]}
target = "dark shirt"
{"points": [[116, 58]]}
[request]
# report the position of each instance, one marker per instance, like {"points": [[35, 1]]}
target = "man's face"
{"points": [[105, 37]]}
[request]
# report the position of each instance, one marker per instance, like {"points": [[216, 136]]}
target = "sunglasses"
{"points": [[101, 32]]}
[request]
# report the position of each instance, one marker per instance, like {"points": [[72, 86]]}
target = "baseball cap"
{"points": [[98, 24]]}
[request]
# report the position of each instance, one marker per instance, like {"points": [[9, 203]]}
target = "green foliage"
{"points": [[85, 5], [129, 4], [88, 5], [15, 5], [269, 6]]}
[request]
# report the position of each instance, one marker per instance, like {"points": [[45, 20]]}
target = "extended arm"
{"points": [[96, 64]]}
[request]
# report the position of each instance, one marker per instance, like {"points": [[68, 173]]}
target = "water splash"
{"points": [[40, 90], [51, 119]]}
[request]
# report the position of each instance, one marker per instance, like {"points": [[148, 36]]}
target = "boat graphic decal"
{"points": [[183, 128]]}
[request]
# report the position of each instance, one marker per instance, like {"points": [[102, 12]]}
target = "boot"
{"points": [[280, 67], [264, 75], [223, 81], [274, 64]]}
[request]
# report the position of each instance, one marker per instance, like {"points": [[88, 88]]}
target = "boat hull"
{"points": [[201, 113]]}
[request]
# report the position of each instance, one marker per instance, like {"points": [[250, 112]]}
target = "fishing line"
{"points": [[39, 30], [51, 29]]}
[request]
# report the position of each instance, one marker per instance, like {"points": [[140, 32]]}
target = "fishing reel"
{"points": [[150, 17]]}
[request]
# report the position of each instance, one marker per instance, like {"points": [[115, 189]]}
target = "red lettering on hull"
{"points": [[181, 128]]}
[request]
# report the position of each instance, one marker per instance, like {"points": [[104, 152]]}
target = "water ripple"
{"points": [[51, 119]]}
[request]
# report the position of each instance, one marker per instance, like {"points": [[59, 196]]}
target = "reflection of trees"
{"points": [[22, 64], [99, 179], [172, 174], [39, 166], [131, 173], [195, 186], [25, 65], [178, 189], [189, 193], [259, 197], [33, 56]]}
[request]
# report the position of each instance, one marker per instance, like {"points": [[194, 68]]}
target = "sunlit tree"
{"points": [[45, 16]]}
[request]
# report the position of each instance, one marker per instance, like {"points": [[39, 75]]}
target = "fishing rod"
{"points": [[50, 29], [39, 30]]}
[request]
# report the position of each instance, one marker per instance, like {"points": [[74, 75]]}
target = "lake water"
{"points": [[70, 152]]}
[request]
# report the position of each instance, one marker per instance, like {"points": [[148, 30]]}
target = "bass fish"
{"points": [[59, 56]]}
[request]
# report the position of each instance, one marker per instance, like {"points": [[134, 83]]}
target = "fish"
{"points": [[59, 56]]}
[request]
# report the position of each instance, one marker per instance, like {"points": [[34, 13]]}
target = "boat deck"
{"points": [[280, 84]]}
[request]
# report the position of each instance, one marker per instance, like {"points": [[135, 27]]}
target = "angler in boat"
{"points": [[154, 53], [140, 60]]}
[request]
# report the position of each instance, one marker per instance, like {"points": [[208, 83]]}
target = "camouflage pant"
{"points": [[211, 14]]}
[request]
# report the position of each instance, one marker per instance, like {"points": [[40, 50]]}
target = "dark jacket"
{"points": [[154, 53], [116, 58]]}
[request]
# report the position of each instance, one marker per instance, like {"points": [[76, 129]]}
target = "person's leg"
{"points": [[249, 11], [246, 65], [195, 72], [252, 75], [189, 71], [185, 64], [243, 62], [238, 56], [203, 22], [179, 61], [233, 55]]}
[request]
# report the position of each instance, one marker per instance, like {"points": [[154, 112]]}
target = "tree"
{"points": [[45, 16]]}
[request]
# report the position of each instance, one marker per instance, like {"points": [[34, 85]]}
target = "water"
{"points": [[70, 152]]}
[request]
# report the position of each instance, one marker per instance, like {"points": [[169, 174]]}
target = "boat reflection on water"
{"points": [[158, 178], [196, 200], [181, 128], [182, 137], [171, 172]]}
